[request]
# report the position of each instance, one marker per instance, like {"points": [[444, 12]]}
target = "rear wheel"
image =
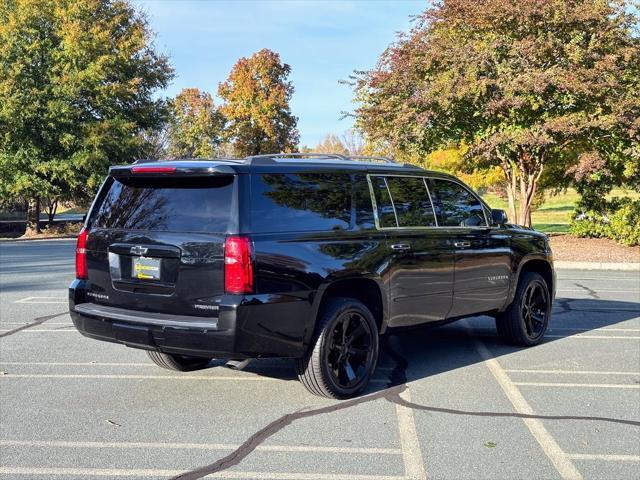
{"points": [[525, 321], [344, 350], [181, 363]]}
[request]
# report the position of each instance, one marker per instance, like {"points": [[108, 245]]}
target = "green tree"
{"points": [[256, 105], [77, 79], [531, 86], [195, 128]]}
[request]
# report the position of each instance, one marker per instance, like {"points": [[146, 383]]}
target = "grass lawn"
{"points": [[62, 209], [553, 216]]}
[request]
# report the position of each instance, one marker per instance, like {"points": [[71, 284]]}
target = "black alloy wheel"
{"points": [[343, 353], [526, 320], [535, 304], [348, 352]]}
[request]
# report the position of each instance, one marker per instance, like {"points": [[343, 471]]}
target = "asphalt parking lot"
{"points": [[446, 403]]}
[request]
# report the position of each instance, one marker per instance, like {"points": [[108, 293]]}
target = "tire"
{"points": [[346, 336], [526, 320], [181, 363]]}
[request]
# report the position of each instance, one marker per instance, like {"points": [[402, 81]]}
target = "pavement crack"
{"points": [[400, 401], [235, 457], [395, 386], [591, 292], [34, 323]]}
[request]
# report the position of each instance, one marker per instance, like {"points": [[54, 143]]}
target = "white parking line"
{"points": [[571, 372], [42, 300], [606, 458], [144, 377], [27, 323], [155, 473], [599, 290], [576, 385], [43, 330], [560, 460], [580, 335], [411, 453], [81, 364], [595, 329], [197, 446], [568, 279]]}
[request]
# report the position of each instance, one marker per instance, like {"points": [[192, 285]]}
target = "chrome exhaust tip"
{"points": [[237, 364]]}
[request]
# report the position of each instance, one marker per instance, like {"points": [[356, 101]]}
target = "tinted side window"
{"points": [[363, 204], [386, 215], [166, 204], [300, 202], [411, 202], [457, 207]]}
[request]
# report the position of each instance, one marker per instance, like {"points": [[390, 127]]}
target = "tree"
{"points": [[195, 128], [452, 160], [353, 142], [531, 86], [331, 144], [77, 82], [256, 105]]}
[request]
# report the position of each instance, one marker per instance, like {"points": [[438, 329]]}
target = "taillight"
{"points": [[153, 170], [238, 266], [81, 255]]}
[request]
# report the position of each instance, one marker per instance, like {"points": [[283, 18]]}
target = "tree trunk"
{"points": [[51, 209], [510, 176], [33, 216], [520, 193]]}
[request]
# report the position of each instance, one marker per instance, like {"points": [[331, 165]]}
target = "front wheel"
{"points": [[181, 363], [344, 350], [525, 321]]}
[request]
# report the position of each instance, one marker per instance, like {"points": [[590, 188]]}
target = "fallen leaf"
{"points": [[490, 444]]}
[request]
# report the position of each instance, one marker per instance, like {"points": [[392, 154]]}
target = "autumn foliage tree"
{"points": [[331, 144], [195, 127], [77, 82], [256, 105], [532, 86]]}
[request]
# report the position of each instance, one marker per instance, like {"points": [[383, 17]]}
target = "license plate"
{"points": [[145, 268]]}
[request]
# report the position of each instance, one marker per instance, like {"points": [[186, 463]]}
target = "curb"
{"points": [[37, 239], [627, 266]]}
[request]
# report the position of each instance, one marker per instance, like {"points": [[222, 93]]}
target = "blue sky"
{"points": [[323, 41]]}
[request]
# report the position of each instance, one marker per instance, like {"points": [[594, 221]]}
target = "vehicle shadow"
{"points": [[426, 351]]}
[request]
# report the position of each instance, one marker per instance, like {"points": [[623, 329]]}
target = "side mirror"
{"points": [[498, 217]]}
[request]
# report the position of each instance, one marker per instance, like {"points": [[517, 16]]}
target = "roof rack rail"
{"points": [[273, 156], [372, 157]]}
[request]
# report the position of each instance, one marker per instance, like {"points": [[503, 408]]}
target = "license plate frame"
{"points": [[146, 268]]}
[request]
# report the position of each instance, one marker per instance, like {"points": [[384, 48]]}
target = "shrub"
{"points": [[590, 224], [620, 221], [625, 224]]}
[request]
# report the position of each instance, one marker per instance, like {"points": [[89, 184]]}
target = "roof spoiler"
{"points": [[167, 169]]}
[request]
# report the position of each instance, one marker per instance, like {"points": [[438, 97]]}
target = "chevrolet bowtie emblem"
{"points": [[138, 250]]}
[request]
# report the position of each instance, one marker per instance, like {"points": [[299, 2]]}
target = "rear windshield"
{"points": [[300, 202], [162, 204]]}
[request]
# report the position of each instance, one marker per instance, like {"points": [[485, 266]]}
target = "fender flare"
{"points": [[528, 258], [320, 294]]}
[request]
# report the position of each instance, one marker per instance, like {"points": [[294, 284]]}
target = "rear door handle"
{"points": [[400, 246], [462, 244]]}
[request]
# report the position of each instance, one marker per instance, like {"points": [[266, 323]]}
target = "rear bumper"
{"points": [[236, 332]]}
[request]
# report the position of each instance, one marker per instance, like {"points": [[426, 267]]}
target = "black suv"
{"points": [[299, 256]]}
